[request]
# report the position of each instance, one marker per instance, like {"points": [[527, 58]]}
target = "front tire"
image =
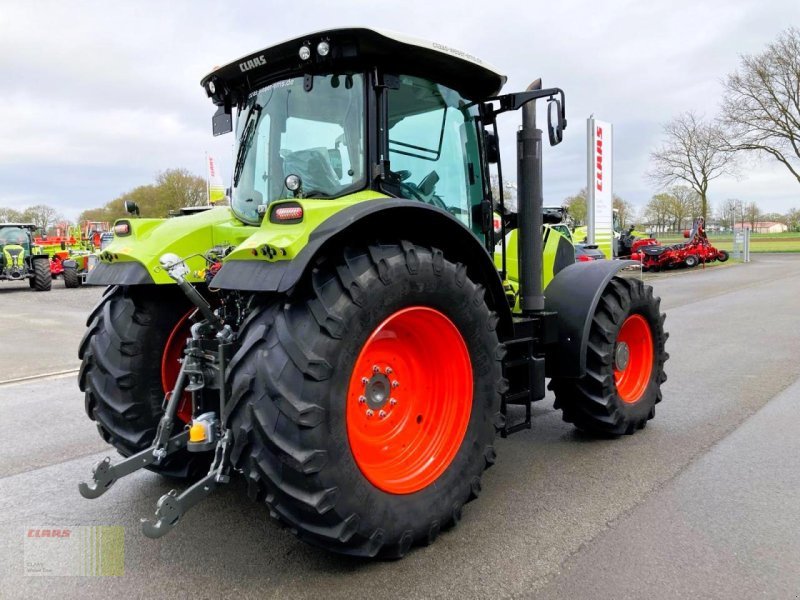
{"points": [[303, 436], [691, 261], [121, 371], [42, 280], [722, 255], [624, 363], [72, 278]]}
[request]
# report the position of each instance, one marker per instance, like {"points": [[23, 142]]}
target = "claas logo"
{"points": [[599, 155], [49, 533]]}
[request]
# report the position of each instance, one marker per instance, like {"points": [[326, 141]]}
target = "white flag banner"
{"points": [[600, 196], [216, 189]]}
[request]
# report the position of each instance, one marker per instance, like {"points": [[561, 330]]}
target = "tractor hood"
{"points": [[133, 257]]}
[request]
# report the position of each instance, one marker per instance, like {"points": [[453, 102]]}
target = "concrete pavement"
{"points": [[686, 508]]}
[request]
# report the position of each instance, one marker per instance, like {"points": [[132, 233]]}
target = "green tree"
{"points": [[793, 219], [173, 189], [176, 188], [576, 207], [10, 215]]}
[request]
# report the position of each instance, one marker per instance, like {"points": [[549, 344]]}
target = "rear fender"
{"points": [[374, 221], [574, 294]]}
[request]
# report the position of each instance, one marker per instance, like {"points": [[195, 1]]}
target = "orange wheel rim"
{"points": [[409, 400], [633, 358], [171, 366]]}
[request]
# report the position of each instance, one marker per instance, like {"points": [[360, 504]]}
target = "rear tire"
{"points": [[292, 385], [723, 255], [603, 401], [42, 280], [691, 261], [72, 278], [121, 371]]}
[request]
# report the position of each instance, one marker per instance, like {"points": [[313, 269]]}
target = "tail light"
{"points": [[286, 213], [122, 228]]}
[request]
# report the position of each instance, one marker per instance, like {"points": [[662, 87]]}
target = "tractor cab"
{"points": [[344, 111], [17, 234]]}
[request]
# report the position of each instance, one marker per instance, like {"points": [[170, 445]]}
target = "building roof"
{"points": [[760, 224], [357, 48]]}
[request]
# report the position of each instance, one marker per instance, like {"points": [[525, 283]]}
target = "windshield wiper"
{"points": [[245, 141]]}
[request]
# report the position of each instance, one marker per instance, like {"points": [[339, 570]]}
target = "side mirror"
{"points": [[492, 149], [131, 207], [335, 158], [556, 122], [222, 121]]}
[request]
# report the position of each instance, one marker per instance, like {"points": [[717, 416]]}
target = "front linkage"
{"points": [[203, 367]]}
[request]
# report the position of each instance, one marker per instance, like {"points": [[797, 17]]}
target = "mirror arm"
{"points": [[517, 100]]}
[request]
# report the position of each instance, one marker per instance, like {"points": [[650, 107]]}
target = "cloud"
{"points": [[100, 96]]}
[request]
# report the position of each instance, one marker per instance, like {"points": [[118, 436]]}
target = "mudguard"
{"points": [[574, 294], [376, 220], [121, 273]]}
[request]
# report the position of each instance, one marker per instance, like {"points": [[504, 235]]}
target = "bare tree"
{"points": [[41, 215], [684, 205], [761, 107], [624, 210], [727, 212], [692, 154], [752, 213]]}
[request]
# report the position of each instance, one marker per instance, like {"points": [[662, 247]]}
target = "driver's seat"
{"points": [[314, 168]]}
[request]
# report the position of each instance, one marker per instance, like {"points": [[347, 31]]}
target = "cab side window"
{"points": [[433, 147]]}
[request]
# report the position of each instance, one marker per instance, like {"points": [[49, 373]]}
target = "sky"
{"points": [[98, 97]]}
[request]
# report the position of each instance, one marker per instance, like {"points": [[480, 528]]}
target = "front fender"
{"points": [[133, 258], [574, 294]]}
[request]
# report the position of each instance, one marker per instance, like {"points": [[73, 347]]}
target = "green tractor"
{"points": [[21, 259], [340, 336]]}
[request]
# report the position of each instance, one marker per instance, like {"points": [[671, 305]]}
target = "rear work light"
{"points": [[122, 228], [287, 213]]}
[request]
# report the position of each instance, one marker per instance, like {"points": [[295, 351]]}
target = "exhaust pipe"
{"points": [[529, 189]]}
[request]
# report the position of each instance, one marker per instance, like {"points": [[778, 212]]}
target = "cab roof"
{"points": [[355, 49], [30, 226]]}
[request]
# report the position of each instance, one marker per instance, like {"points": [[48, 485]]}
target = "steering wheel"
{"points": [[424, 190]]}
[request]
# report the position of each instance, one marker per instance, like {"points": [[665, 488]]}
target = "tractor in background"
{"points": [[21, 259], [69, 249]]}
